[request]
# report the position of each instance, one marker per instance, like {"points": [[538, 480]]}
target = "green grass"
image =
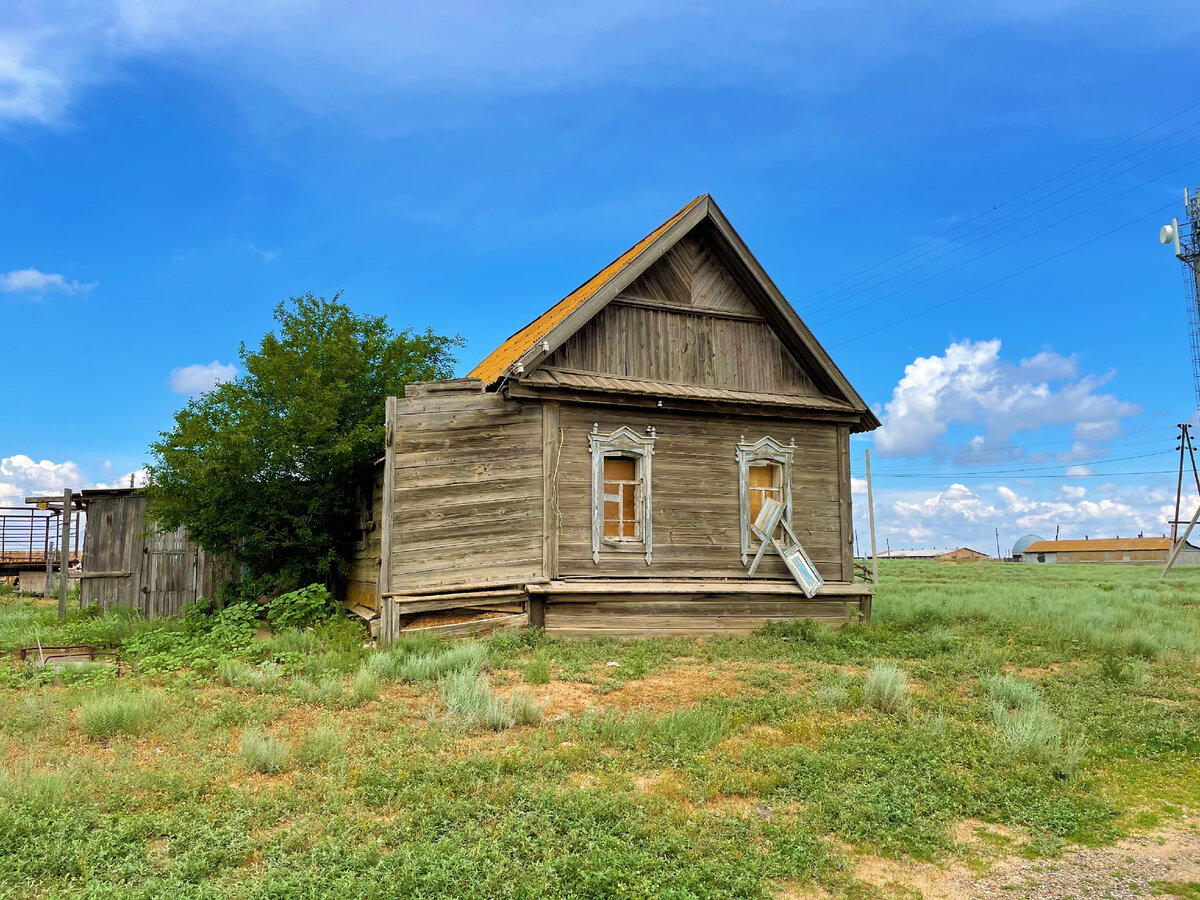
{"points": [[261, 752], [1057, 702], [886, 687], [324, 745], [113, 713]]}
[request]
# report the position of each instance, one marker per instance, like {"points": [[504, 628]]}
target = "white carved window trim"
{"points": [[766, 449], [622, 442]]}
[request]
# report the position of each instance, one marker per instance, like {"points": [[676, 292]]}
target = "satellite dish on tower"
{"points": [[1169, 234]]}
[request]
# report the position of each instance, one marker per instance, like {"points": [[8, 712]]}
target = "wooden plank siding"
{"points": [[467, 473], [128, 562], [695, 495], [360, 587], [686, 320]]}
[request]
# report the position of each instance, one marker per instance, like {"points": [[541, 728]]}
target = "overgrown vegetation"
{"points": [[266, 467], [1060, 705]]}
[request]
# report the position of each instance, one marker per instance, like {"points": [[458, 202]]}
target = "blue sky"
{"points": [[170, 171]]}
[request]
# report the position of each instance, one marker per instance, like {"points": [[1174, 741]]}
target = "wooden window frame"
{"points": [[628, 443], [764, 450]]}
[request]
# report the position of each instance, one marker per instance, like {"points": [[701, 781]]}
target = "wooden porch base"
{"points": [[662, 608], [651, 607]]}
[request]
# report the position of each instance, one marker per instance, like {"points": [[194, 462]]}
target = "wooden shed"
{"points": [[129, 562], [604, 466]]}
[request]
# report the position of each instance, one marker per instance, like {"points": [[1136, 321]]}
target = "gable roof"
{"points": [[525, 349]]}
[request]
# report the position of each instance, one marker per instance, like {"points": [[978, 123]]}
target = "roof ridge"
{"points": [[494, 365]]}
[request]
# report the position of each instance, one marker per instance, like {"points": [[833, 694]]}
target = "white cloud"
{"points": [[21, 477], [971, 385], [963, 516], [320, 54], [33, 281], [198, 378], [267, 256], [29, 90], [858, 486], [138, 478]]}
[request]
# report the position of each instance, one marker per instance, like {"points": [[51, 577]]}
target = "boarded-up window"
{"points": [[764, 473], [622, 498], [765, 481]]}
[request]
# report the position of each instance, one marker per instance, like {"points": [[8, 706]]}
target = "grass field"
{"points": [[992, 710]]}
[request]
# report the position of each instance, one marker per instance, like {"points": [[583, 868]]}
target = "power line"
{"points": [[1056, 466], [997, 206], [987, 253], [1001, 280], [875, 474], [857, 290], [1006, 447]]}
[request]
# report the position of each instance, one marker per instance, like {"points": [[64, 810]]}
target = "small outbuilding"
{"points": [[930, 553], [127, 561], [603, 468], [1152, 550], [1022, 542]]}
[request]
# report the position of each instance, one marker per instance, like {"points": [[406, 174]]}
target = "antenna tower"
{"points": [[1186, 243]]}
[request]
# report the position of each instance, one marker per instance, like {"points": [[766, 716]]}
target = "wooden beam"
{"points": [[655, 586], [682, 404], [445, 589], [478, 627], [388, 512], [551, 450], [64, 555]]}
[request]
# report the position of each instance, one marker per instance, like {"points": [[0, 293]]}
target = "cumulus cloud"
{"points": [[959, 515], [21, 476], [971, 385], [198, 378], [35, 282]]}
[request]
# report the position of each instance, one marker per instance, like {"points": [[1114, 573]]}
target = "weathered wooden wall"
{"points": [[695, 495], [360, 586], [467, 474], [112, 551], [127, 562], [660, 615], [686, 320]]}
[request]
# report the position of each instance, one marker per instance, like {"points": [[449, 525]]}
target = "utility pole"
{"points": [[998, 542], [1185, 447], [871, 516]]}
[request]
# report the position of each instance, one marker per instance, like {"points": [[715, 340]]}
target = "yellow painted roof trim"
{"points": [[500, 360]]}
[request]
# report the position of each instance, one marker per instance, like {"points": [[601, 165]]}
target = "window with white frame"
{"points": [[764, 472], [621, 498]]}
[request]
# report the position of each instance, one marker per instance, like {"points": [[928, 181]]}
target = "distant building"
{"points": [[1023, 542], [1108, 550], [946, 553]]}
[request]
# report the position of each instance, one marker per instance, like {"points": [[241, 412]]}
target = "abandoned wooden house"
{"points": [[603, 470]]}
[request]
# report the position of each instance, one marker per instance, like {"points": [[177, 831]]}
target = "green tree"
{"points": [[267, 466]]}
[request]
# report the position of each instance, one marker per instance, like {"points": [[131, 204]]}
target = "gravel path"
{"points": [[1124, 871]]}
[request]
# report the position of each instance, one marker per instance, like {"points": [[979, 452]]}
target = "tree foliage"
{"points": [[267, 466]]}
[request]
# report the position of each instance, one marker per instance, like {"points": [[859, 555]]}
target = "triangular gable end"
{"points": [[696, 243]]}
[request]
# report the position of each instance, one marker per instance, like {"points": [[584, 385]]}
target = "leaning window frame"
{"points": [[624, 441], [766, 449]]}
